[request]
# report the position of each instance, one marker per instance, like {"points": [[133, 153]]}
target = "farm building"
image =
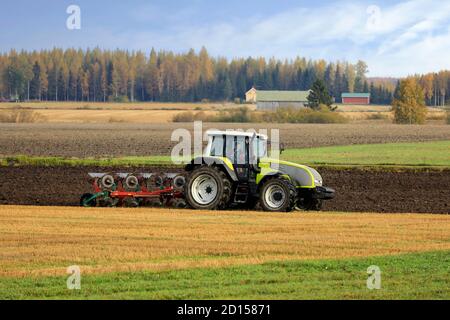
{"points": [[250, 95], [270, 100], [356, 98]]}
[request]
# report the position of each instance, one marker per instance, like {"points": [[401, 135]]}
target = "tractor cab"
{"points": [[241, 150]]}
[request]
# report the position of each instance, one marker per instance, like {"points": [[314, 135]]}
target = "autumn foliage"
{"points": [[409, 107]]}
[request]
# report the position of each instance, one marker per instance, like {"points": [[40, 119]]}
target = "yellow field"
{"points": [[374, 112], [362, 108], [46, 240], [100, 112], [110, 116], [158, 112]]}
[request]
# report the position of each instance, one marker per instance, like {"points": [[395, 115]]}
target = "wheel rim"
{"points": [[204, 189], [131, 182], [275, 197], [107, 181]]}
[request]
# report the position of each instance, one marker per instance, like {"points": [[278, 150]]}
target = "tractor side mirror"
{"points": [[282, 148]]}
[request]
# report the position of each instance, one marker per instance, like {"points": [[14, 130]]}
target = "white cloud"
{"points": [[425, 55], [397, 40]]}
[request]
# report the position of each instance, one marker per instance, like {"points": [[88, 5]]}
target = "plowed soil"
{"points": [[357, 190], [122, 139]]}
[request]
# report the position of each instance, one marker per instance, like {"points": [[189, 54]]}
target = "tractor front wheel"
{"points": [[278, 195]]}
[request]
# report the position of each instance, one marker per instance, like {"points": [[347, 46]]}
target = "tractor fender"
{"points": [[263, 177], [221, 162], [302, 176]]}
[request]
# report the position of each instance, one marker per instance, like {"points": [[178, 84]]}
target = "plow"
{"points": [[234, 171], [134, 190]]}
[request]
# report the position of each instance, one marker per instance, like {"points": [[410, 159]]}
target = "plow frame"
{"points": [[165, 194]]}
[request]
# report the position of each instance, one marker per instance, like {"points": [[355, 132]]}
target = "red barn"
{"points": [[356, 98]]}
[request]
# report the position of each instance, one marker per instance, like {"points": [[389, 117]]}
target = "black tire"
{"points": [[152, 202], [223, 192], [107, 202], [88, 201], [179, 203], [155, 182], [130, 202], [179, 182], [283, 197]]}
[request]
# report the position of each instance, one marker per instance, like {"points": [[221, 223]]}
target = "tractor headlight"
{"points": [[318, 182]]}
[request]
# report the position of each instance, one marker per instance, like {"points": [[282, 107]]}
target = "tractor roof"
{"points": [[235, 133]]}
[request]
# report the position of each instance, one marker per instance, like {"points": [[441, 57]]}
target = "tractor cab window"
{"points": [[241, 150], [260, 147], [217, 146], [229, 148]]}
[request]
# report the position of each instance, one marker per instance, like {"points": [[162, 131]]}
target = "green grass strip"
{"points": [[432, 154], [107, 162], [435, 154], [409, 276]]}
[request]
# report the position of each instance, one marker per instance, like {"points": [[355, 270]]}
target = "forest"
{"points": [[120, 75]]}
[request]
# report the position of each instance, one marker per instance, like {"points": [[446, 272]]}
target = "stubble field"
{"points": [[160, 112], [167, 254], [115, 240]]}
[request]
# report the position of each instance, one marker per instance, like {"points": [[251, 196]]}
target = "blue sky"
{"points": [[395, 38]]}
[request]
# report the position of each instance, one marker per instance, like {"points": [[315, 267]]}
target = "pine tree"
{"points": [[373, 94], [35, 84], [397, 90], [319, 96], [338, 87], [365, 86], [227, 89]]}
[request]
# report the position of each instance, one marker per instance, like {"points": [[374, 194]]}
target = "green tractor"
{"points": [[235, 170]]}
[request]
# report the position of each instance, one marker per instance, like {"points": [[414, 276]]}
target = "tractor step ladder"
{"points": [[241, 194]]}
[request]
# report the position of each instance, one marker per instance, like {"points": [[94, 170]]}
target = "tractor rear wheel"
{"points": [[208, 188], [278, 195]]}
